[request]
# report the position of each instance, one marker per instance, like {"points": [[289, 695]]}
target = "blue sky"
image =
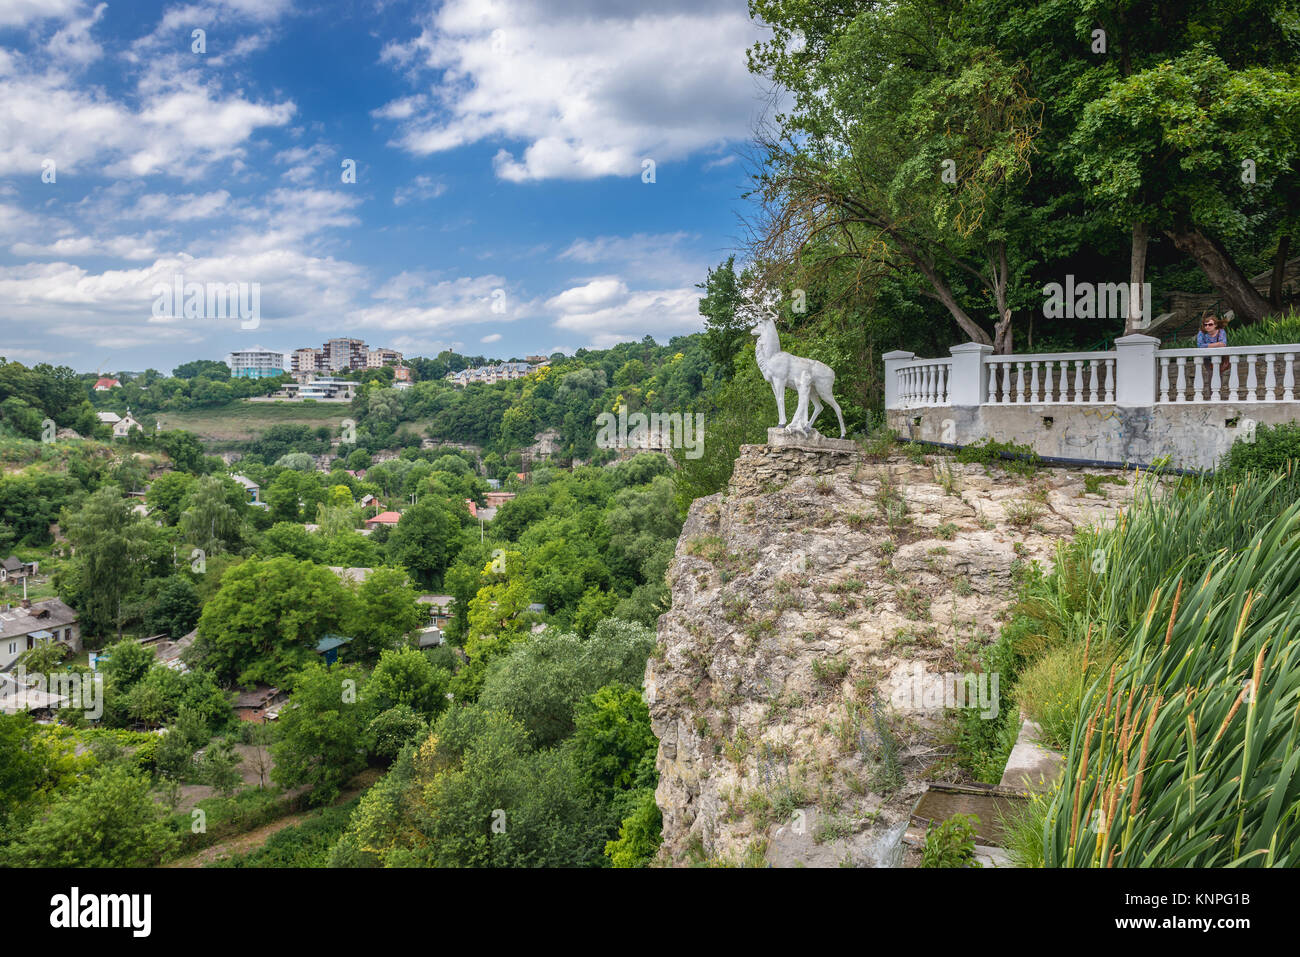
{"points": [[499, 149]]}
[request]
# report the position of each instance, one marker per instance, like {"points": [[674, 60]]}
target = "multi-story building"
{"points": [[341, 355], [375, 358], [306, 362], [255, 364], [500, 372]]}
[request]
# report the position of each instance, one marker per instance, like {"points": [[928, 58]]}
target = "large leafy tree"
{"points": [[906, 150], [112, 550], [213, 518], [423, 541], [265, 619], [1199, 151], [321, 743], [384, 612]]}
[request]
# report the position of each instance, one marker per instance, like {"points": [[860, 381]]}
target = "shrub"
{"points": [[951, 844], [1271, 448], [1021, 459], [1051, 689]]}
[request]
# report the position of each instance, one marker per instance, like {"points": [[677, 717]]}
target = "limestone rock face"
{"points": [[821, 606]]}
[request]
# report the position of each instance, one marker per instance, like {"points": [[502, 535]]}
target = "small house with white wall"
{"points": [[24, 626]]}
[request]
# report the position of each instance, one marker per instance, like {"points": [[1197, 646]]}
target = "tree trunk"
{"points": [[1279, 273], [1137, 272], [945, 296], [1223, 272]]}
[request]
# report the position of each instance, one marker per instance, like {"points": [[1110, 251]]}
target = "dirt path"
{"points": [[252, 840]]}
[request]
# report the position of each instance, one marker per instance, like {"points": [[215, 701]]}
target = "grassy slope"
{"points": [[243, 420]]}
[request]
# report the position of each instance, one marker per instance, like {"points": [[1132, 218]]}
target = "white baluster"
{"points": [[993, 382], [1110, 381], [1078, 381], [1094, 393], [1033, 382], [1164, 379], [1250, 379], [1288, 378], [1006, 383], [1233, 383], [1181, 362], [1198, 367], [1215, 383], [1047, 380], [1270, 377], [1020, 382]]}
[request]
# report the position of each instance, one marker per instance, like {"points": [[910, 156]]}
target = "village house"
{"points": [[383, 518], [105, 383], [251, 487], [13, 569], [31, 623], [260, 704], [123, 426], [439, 608]]}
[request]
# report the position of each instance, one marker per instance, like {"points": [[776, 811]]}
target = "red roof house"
{"points": [[105, 383], [473, 509], [384, 518]]}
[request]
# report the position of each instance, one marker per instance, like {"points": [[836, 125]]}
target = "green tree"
{"points": [[405, 676], [725, 327], [266, 617], [640, 834], [109, 821], [384, 612], [613, 743], [422, 542], [210, 521], [322, 736], [111, 547]]}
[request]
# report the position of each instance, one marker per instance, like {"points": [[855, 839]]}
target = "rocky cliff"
{"points": [[818, 604]]}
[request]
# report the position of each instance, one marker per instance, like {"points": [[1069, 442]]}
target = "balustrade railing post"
{"points": [[1135, 370], [893, 362], [968, 377]]}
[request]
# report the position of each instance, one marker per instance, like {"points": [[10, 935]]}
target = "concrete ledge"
{"points": [[1193, 435], [1030, 766], [778, 437]]}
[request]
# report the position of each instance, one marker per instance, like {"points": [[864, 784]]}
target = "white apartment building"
{"points": [[255, 364]]}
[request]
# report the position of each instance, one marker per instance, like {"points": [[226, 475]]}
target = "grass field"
{"points": [[243, 420]]}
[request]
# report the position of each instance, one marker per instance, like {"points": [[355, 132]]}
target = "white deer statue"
{"points": [[809, 378]]}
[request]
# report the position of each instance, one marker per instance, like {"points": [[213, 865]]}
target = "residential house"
{"points": [[168, 653], [30, 623], [350, 575], [497, 499], [329, 645], [261, 704], [108, 418], [383, 518], [251, 487], [105, 383], [14, 569], [123, 426], [439, 608], [255, 364]]}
